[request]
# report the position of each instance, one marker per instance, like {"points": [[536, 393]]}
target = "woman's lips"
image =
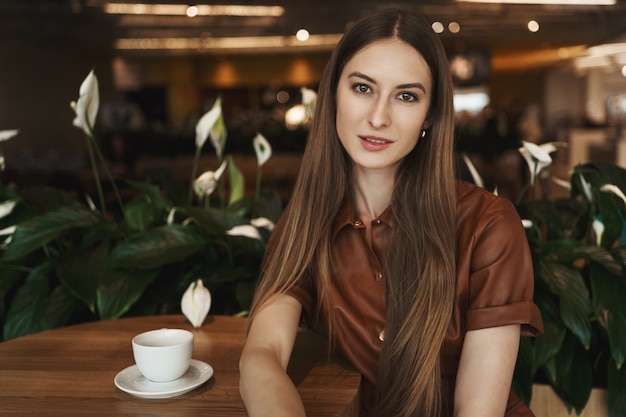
{"points": [[374, 143]]}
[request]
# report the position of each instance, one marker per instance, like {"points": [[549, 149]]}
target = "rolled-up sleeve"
{"points": [[501, 280]]}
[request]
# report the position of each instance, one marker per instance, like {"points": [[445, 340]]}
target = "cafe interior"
{"points": [[549, 73], [540, 71]]}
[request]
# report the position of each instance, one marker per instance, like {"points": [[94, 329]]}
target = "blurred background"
{"points": [[535, 72]]}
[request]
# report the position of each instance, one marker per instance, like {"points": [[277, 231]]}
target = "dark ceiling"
{"points": [[494, 27]]}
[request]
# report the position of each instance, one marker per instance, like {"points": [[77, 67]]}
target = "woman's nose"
{"points": [[379, 115]]}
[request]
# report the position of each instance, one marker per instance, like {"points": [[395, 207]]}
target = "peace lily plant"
{"points": [[578, 246], [65, 259]]}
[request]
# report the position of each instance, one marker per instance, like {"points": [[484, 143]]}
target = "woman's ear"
{"points": [[428, 122]]}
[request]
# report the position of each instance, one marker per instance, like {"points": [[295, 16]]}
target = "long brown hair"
{"points": [[421, 262]]}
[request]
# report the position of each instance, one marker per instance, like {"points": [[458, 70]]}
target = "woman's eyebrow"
{"points": [[370, 79], [413, 85]]}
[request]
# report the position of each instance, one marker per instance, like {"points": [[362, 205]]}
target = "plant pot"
{"points": [[545, 403]]}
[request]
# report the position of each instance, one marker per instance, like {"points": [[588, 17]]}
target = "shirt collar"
{"points": [[348, 217]]}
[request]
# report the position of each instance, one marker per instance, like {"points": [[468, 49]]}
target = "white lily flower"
{"points": [[196, 303], [7, 231], [478, 180], [7, 207], [170, 216], [537, 157], [565, 184], [262, 222], [309, 100], [598, 228], [262, 148], [90, 203], [7, 134], [612, 188], [211, 125], [245, 230], [527, 223], [206, 183], [86, 108], [586, 188]]}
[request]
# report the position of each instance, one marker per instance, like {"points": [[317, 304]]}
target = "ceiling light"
{"points": [[192, 11], [234, 44], [201, 10], [295, 117], [437, 27], [302, 35], [561, 2]]}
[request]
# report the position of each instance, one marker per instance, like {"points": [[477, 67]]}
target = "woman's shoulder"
{"points": [[477, 203]]}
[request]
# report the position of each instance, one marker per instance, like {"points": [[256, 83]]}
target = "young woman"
{"points": [[422, 282]]}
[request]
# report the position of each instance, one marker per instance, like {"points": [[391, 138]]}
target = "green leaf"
{"points": [[575, 305], [610, 216], [25, 314], [212, 221], [237, 182], [608, 259], [140, 214], [59, 308], [157, 247], [548, 344], [615, 392], [147, 209], [608, 303], [563, 251], [549, 367], [607, 173], [101, 232], [152, 192], [8, 277], [39, 231], [120, 289], [574, 377], [81, 274]]}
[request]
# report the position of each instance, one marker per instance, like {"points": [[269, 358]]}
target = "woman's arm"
{"points": [[485, 371], [265, 387]]}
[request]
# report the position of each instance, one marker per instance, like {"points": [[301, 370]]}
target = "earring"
{"points": [[423, 135]]}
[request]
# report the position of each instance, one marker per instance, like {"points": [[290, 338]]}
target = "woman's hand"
{"points": [[485, 371], [265, 387]]}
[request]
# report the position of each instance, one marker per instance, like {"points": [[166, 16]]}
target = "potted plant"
{"points": [[66, 259], [578, 246]]}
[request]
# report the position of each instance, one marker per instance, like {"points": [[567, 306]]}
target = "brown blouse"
{"points": [[494, 285]]}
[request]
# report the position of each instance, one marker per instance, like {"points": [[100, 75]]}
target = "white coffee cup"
{"points": [[163, 355]]}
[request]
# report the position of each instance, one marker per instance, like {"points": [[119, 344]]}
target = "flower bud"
{"points": [[196, 303]]}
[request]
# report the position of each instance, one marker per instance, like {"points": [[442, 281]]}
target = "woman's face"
{"points": [[383, 98]]}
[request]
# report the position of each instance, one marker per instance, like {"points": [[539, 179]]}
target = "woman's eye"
{"points": [[407, 97], [361, 88]]}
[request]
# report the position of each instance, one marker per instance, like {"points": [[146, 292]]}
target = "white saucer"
{"points": [[130, 380]]}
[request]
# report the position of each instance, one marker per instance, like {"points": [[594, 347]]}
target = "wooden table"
{"points": [[70, 371]]}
